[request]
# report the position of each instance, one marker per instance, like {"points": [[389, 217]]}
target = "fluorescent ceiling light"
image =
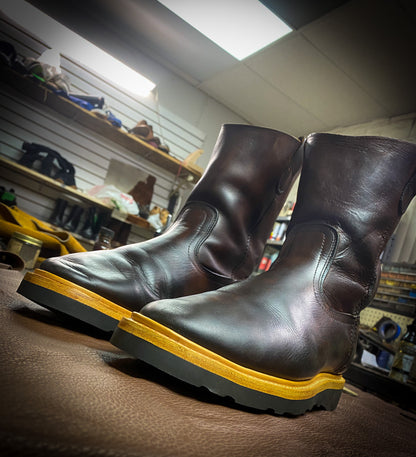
{"points": [[240, 27], [74, 46]]}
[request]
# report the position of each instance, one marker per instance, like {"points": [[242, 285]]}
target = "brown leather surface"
{"points": [[66, 391]]}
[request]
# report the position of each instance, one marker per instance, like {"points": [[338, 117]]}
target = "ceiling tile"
{"points": [[174, 40], [249, 95], [374, 43], [297, 68]]}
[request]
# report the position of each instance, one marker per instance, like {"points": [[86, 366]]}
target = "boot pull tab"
{"points": [[408, 193]]}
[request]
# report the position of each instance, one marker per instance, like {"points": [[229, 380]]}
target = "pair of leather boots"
{"points": [[186, 302]]}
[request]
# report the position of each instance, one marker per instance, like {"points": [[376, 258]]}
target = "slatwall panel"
{"points": [[23, 119]]}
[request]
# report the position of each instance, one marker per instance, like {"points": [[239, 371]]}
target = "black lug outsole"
{"points": [[57, 302], [199, 377]]}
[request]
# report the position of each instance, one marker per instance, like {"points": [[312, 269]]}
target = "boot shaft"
{"points": [[358, 187], [74, 218], [245, 185], [57, 215], [361, 183]]}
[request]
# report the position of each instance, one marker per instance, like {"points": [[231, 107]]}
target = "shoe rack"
{"points": [[395, 299], [142, 226], [42, 94], [34, 175], [397, 290], [39, 92]]}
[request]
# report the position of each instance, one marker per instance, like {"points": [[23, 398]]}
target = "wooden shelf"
{"points": [[147, 231], [392, 301], [39, 92], [404, 309], [52, 183], [390, 286], [393, 294]]}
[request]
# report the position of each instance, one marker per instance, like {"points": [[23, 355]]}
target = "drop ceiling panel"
{"points": [[295, 67], [150, 27], [375, 46], [248, 94], [156, 29]]}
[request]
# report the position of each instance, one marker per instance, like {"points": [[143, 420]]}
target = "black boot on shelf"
{"points": [[88, 229], [101, 219], [57, 216], [73, 220]]}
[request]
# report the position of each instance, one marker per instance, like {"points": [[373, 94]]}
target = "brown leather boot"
{"points": [[281, 340], [216, 240]]}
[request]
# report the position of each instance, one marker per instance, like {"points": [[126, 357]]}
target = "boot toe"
{"points": [[105, 273], [71, 267]]}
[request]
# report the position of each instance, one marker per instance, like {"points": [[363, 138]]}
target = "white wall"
{"points": [[401, 127], [198, 109]]}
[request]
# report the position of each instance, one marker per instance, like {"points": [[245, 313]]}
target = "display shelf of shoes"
{"points": [[396, 291], [39, 92], [142, 225], [50, 182]]}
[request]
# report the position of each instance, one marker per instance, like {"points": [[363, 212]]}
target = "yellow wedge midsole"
{"points": [[168, 340], [80, 294]]}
